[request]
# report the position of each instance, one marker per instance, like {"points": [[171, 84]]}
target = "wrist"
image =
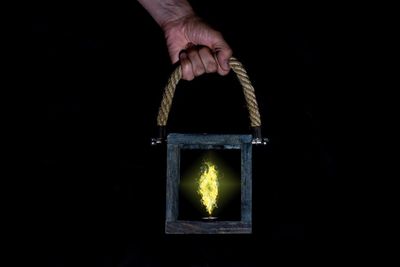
{"points": [[166, 12], [177, 21]]}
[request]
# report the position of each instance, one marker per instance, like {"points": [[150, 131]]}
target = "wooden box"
{"points": [[177, 143]]}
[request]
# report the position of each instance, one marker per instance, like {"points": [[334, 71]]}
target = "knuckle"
{"points": [[192, 54], [199, 71], [188, 76], [211, 67], [186, 71], [205, 50]]}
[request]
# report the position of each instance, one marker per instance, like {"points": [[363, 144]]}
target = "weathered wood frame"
{"points": [[176, 142]]}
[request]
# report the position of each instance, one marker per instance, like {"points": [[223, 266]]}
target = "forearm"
{"points": [[166, 11]]}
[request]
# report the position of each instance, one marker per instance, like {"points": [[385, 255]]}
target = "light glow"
{"points": [[208, 186]]}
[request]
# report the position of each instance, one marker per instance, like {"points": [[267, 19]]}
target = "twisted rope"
{"points": [[248, 90], [244, 80]]}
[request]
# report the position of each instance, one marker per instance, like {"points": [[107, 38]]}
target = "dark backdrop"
{"points": [[96, 73]]}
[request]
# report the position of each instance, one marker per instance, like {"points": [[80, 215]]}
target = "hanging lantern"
{"points": [[209, 177]]}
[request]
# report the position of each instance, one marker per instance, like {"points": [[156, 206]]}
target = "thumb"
{"points": [[223, 54]]}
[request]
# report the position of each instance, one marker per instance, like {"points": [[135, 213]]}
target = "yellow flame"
{"points": [[208, 186]]}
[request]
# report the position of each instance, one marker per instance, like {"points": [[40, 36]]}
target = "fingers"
{"points": [[186, 65], [197, 60], [208, 60], [198, 67]]}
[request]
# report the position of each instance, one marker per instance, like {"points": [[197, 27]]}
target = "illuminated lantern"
{"points": [[209, 177]]}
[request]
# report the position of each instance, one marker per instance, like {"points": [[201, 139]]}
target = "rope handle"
{"points": [[244, 80]]}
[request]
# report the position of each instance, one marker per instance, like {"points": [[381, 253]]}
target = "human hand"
{"points": [[200, 48]]}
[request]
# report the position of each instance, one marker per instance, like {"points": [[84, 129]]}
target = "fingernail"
{"points": [[226, 65], [183, 55]]}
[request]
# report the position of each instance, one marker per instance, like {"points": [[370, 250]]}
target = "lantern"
{"points": [[209, 177]]}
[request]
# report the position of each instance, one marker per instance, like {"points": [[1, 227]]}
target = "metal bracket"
{"points": [[260, 141], [257, 137], [161, 136], [157, 141]]}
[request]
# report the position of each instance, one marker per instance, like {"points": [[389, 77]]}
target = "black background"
{"points": [[95, 193]]}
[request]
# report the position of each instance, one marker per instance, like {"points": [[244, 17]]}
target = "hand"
{"points": [[200, 48]]}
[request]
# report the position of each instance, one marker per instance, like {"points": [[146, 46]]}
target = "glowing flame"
{"points": [[208, 186]]}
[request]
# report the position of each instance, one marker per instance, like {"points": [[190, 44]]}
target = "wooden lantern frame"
{"points": [[176, 142]]}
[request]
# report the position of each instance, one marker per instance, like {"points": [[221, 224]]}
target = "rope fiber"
{"points": [[243, 78]]}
